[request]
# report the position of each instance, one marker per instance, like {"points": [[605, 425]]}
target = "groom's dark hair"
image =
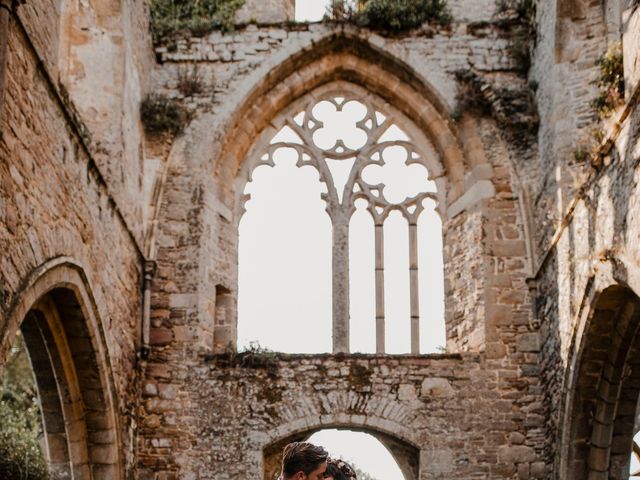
{"points": [[302, 457]]}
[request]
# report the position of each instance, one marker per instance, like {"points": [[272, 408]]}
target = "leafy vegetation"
{"points": [[21, 457], [174, 18], [523, 29], [610, 82], [161, 114], [394, 16]]}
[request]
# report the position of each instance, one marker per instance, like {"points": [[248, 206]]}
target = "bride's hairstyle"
{"points": [[339, 470]]}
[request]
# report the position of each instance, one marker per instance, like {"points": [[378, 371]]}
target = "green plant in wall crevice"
{"points": [[161, 114], [610, 82]]}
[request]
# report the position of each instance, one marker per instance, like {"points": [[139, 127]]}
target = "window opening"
{"points": [[368, 175], [223, 319]]}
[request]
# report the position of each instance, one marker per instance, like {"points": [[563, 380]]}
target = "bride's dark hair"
{"points": [[339, 470]]}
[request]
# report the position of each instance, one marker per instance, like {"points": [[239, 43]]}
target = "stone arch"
{"points": [[351, 59], [341, 56], [204, 163], [603, 388], [64, 338], [398, 439]]}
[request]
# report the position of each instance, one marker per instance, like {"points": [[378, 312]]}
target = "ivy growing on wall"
{"points": [[171, 18], [393, 16]]}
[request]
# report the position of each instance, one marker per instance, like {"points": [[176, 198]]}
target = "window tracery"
{"points": [[362, 156]]}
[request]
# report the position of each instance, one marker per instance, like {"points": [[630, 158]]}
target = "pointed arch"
{"points": [[395, 437], [348, 58], [603, 387], [58, 317]]}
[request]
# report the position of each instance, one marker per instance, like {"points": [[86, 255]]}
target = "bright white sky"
{"points": [[285, 290], [361, 449], [311, 10]]}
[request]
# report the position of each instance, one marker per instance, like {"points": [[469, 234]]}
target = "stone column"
{"points": [[340, 282], [380, 323], [413, 278]]}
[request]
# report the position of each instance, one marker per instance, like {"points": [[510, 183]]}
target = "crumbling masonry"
{"points": [[119, 248]]}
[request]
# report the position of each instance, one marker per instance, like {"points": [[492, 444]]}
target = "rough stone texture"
{"points": [[457, 421], [542, 259], [55, 203]]}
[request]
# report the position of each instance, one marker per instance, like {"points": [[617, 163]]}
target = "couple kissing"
{"points": [[305, 461]]}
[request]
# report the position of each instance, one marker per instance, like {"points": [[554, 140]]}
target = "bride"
{"points": [[339, 470]]}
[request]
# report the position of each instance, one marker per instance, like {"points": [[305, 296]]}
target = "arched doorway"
{"points": [[605, 389], [62, 338], [336, 440]]}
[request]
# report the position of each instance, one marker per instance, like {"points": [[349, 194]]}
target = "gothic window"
{"points": [[374, 185]]}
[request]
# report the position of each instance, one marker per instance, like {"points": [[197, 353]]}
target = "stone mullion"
{"points": [[380, 318], [340, 257], [413, 278]]}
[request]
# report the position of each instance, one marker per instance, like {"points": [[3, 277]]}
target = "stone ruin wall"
{"points": [[586, 217], [57, 208], [187, 417], [495, 410], [457, 410]]}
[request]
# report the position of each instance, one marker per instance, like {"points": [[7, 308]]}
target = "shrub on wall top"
{"points": [[393, 16], [402, 15], [192, 17]]}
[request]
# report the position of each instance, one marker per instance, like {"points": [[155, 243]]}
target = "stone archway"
{"points": [[604, 389], [64, 340], [406, 455]]}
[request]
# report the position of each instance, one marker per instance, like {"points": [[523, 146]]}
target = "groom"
{"points": [[303, 461]]}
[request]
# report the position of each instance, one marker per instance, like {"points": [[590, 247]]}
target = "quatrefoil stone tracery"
{"points": [[383, 167]]}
